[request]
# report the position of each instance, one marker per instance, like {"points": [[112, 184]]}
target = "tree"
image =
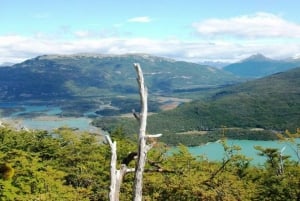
{"points": [[290, 140], [143, 148], [117, 175], [142, 140]]}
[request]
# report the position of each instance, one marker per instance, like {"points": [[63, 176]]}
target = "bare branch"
{"points": [[136, 115], [107, 137]]}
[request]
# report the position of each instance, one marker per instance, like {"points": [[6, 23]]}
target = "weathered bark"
{"points": [[113, 169], [143, 148], [116, 176]]}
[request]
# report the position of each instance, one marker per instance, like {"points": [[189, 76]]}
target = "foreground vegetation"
{"points": [[38, 165]]}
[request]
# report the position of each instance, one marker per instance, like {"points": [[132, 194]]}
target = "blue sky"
{"points": [[191, 30]]}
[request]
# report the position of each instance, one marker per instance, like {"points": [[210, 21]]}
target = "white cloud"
{"points": [[142, 19], [249, 26], [16, 48]]}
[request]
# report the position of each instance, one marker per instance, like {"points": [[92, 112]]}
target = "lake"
{"points": [[45, 117], [214, 151], [49, 117]]}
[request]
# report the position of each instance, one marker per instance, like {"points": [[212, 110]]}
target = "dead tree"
{"points": [[143, 147], [117, 175]]}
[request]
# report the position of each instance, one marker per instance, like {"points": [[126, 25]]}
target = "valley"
{"points": [[190, 103], [149, 100], [44, 115]]}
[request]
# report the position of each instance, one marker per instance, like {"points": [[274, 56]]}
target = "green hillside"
{"points": [[64, 76], [264, 107]]}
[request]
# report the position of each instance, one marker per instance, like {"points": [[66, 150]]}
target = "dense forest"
{"points": [[64, 165], [253, 110]]}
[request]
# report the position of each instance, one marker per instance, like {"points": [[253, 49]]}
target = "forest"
{"points": [[66, 165]]}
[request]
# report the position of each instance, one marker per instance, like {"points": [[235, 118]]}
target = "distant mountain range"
{"points": [[63, 76], [258, 65]]}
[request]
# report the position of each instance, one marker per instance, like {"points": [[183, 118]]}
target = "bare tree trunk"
{"points": [[116, 176], [143, 147], [113, 194]]}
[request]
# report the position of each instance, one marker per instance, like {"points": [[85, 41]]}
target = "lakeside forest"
{"points": [[39, 165]]}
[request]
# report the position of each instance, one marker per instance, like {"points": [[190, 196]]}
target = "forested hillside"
{"points": [[37, 165], [53, 77], [253, 110]]}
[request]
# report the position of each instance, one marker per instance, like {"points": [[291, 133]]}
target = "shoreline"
{"points": [[49, 123]]}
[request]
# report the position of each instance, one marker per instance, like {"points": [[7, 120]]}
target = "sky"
{"points": [[189, 30]]}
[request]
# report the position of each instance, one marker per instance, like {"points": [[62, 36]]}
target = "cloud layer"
{"points": [[227, 40], [249, 26]]}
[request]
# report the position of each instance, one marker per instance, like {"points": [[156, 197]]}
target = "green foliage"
{"points": [[42, 162], [290, 138], [188, 134], [64, 166], [6, 171], [125, 105], [255, 110]]}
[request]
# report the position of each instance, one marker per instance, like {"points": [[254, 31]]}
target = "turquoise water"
{"points": [[45, 110], [214, 151], [79, 123], [30, 109], [47, 122]]}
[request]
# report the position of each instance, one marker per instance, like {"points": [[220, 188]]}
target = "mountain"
{"points": [[258, 65], [64, 76], [258, 108], [272, 103]]}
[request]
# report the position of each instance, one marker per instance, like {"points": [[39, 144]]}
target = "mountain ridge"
{"points": [[258, 65], [100, 56], [53, 76], [257, 57]]}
